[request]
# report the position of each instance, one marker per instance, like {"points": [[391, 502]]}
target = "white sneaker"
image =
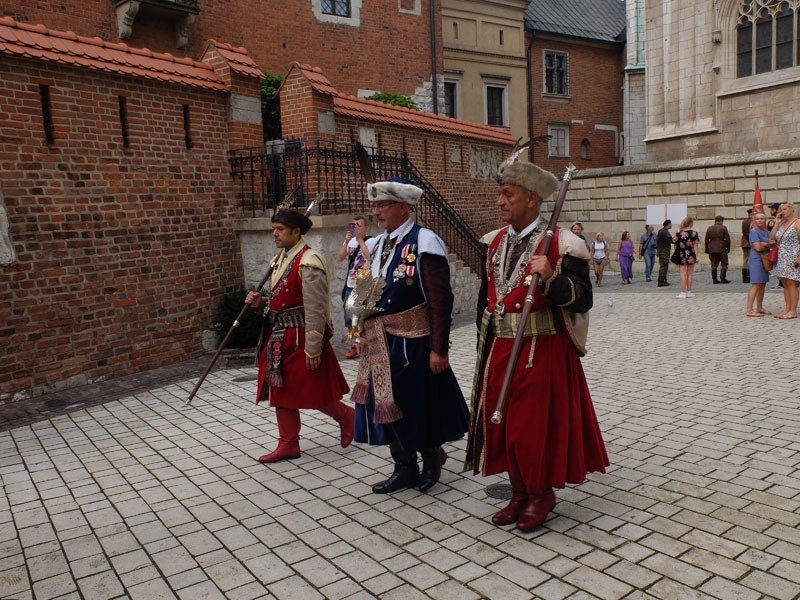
{"points": [[681, 295], [775, 288], [689, 295]]}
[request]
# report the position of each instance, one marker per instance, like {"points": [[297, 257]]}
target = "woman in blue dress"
{"points": [[759, 243]]}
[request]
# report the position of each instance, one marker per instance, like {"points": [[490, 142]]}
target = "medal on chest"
{"points": [[407, 266]]}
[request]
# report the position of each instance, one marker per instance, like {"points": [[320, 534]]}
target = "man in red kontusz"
{"points": [[549, 435], [297, 367]]}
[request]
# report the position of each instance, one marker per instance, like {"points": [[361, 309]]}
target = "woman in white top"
{"points": [[599, 257]]}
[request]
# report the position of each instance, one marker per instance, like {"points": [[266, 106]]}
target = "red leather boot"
{"points": [[345, 416], [288, 436], [519, 498], [536, 510]]}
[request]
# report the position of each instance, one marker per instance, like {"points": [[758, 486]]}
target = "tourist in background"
{"points": [[599, 257], [577, 229], [625, 258], [687, 242], [663, 248], [354, 249], [786, 235], [647, 251], [747, 223], [759, 276]]}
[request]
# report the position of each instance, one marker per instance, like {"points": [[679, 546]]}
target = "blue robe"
{"points": [[434, 409]]}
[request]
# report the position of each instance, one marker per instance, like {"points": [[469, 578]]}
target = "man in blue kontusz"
{"points": [[406, 395]]}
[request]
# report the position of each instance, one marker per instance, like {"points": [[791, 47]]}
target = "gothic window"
{"points": [[339, 8], [556, 73], [767, 36], [586, 147], [559, 140]]}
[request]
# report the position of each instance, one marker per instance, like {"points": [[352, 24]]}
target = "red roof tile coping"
{"points": [[369, 110], [39, 42], [238, 58]]}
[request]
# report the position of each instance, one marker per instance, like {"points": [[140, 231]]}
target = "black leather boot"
{"points": [[432, 461], [714, 275], [723, 276], [406, 471]]}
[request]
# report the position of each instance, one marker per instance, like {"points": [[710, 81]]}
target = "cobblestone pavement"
{"points": [[144, 497]]}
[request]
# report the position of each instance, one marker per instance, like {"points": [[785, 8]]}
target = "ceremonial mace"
{"points": [[497, 415], [286, 204]]}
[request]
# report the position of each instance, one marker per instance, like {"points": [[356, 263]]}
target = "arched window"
{"points": [[586, 147], [767, 36]]}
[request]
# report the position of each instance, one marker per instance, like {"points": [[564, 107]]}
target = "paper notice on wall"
{"points": [[658, 213], [676, 212]]}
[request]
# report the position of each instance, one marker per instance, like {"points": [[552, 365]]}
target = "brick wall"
{"points": [[589, 103], [445, 160], [122, 252], [388, 51]]}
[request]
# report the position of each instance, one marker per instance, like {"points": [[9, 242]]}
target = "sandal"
{"points": [[787, 316], [763, 312], [754, 314]]}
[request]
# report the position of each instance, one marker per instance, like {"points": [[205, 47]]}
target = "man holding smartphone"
{"points": [[355, 250]]}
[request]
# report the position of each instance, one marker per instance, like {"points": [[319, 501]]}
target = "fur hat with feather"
{"points": [[515, 171]]}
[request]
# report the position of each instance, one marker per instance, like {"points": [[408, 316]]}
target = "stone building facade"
{"points": [[485, 76]]}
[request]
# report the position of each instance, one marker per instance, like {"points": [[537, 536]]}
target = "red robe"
{"points": [[549, 434], [301, 388]]}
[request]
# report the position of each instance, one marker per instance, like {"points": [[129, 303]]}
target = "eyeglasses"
{"points": [[381, 206]]}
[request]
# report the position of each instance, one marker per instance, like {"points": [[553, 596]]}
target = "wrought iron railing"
{"points": [[266, 175], [436, 213]]}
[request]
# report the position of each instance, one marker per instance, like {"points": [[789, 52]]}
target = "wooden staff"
{"points": [[497, 415], [237, 321]]}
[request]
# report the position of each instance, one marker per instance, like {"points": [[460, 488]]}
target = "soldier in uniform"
{"points": [[297, 367], [718, 245], [549, 435]]}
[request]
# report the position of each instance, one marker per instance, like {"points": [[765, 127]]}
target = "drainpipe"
{"points": [[529, 77], [434, 81]]}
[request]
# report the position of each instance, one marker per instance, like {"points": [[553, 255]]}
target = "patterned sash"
{"points": [[411, 323], [279, 323]]}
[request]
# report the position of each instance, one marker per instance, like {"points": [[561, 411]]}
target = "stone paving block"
{"points": [[205, 590], [173, 560], [101, 586], [524, 575], [236, 537], [14, 580], [597, 584], [318, 571], [495, 586], [292, 588], [675, 569], [54, 587], [770, 585], [396, 532], [437, 531], [251, 591], [665, 544], [788, 569], [154, 589], [560, 566], [229, 575], [382, 583]]}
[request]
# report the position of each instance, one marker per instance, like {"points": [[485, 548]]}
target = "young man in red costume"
{"points": [[549, 435], [297, 367]]}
